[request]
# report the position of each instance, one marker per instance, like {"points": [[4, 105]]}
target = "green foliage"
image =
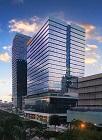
{"points": [[50, 134], [54, 120], [80, 135], [12, 127], [77, 123], [32, 124], [89, 132]]}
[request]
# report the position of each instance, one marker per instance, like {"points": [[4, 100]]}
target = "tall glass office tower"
{"points": [[56, 50], [19, 69], [75, 50]]}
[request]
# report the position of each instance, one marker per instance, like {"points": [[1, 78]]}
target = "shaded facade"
{"points": [[90, 92], [75, 50], [42, 107], [50, 104], [19, 69], [94, 117]]}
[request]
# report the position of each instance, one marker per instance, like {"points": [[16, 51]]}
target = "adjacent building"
{"points": [[90, 92], [19, 69], [89, 107], [92, 116]]}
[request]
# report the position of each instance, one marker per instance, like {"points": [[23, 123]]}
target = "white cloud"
{"points": [[91, 47], [32, 25], [28, 27], [90, 60], [7, 47], [99, 39], [5, 88], [6, 98], [2, 82], [90, 30], [92, 55], [5, 57]]}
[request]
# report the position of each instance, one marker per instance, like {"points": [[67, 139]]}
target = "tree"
{"points": [[54, 120], [11, 127]]}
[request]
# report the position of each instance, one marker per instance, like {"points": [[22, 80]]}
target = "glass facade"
{"points": [[48, 104], [92, 116], [57, 48], [19, 69], [76, 50]]}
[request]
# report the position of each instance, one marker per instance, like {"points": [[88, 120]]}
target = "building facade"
{"points": [[56, 50], [75, 50], [55, 58], [94, 117], [90, 92], [40, 108], [19, 69]]}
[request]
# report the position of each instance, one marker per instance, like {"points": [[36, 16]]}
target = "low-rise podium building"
{"points": [[90, 92]]}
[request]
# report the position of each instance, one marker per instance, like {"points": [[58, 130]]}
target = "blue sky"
{"points": [[26, 16]]}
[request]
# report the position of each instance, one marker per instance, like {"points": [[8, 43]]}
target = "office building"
{"points": [[90, 92], [19, 69], [55, 58], [58, 49]]}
